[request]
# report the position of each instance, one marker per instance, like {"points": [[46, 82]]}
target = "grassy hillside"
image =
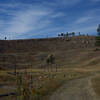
{"points": [[69, 52], [77, 58]]}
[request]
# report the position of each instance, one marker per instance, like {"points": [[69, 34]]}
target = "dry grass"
{"points": [[96, 85], [43, 83]]}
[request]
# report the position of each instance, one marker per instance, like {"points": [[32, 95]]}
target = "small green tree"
{"points": [[59, 35], [98, 37], [50, 60], [67, 34], [62, 34], [73, 33], [79, 33], [98, 30]]}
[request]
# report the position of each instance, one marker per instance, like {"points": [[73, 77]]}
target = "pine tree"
{"points": [[98, 30]]}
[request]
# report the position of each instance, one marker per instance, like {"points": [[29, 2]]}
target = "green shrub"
{"points": [[97, 41]]}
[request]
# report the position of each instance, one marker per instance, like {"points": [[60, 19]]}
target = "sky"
{"points": [[24, 19]]}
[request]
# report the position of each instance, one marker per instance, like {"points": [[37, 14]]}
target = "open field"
{"points": [[96, 84], [73, 75], [43, 83]]}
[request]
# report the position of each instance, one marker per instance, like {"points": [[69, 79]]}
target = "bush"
{"points": [[96, 49], [97, 41]]}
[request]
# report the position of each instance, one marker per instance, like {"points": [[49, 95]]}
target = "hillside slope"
{"points": [[69, 52]]}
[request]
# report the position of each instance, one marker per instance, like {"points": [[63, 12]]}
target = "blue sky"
{"points": [[39, 18]]}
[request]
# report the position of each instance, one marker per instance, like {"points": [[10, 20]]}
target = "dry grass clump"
{"points": [[7, 79], [37, 85], [43, 84], [96, 85]]}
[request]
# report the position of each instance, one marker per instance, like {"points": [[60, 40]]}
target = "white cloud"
{"points": [[83, 19], [27, 21], [23, 19], [85, 29], [95, 1], [56, 15], [69, 2], [61, 3], [86, 23]]}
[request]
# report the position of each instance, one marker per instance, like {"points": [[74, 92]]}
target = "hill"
{"points": [[69, 52]]}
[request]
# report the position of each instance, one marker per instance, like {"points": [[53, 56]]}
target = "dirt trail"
{"points": [[79, 89]]}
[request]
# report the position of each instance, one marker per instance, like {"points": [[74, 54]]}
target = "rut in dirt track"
{"points": [[79, 89]]}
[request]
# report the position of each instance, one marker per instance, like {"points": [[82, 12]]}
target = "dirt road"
{"points": [[79, 89]]}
